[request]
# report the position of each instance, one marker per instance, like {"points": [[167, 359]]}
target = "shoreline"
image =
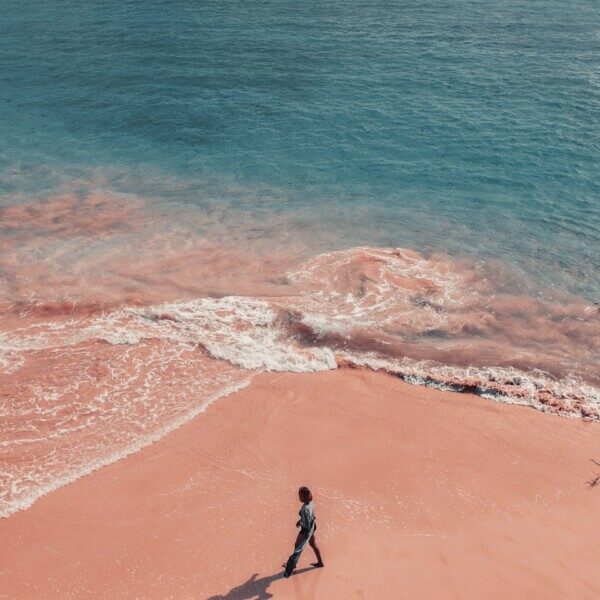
{"points": [[343, 363], [143, 443], [418, 491]]}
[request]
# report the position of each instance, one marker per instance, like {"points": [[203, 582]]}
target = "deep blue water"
{"points": [[467, 126]]}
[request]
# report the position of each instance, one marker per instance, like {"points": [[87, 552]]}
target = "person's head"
{"points": [[305, 494]]}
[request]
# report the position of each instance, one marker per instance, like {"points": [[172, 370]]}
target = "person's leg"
{"points": [[313, 545], [295, 556]]}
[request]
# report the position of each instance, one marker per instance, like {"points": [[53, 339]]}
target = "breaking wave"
{"points": [[86, 382]]}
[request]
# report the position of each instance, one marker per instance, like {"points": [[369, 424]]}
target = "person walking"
{"points": [[308, 527]]}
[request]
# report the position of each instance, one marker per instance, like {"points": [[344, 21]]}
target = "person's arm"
{"points": [[304, 518]]}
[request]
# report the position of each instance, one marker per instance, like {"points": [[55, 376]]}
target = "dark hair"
{"points": [[305, 494]]}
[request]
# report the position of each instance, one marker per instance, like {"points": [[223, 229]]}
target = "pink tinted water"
{"points": [[123, 317]]}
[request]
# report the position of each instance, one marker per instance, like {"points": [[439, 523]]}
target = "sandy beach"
{"points": [[419, 494], [247, 247]]}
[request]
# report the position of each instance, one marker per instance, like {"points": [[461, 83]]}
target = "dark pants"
{"points": [[295, 556]]}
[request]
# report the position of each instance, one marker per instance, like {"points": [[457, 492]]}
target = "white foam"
{"points": [[570, 396], [244, 331], [241, 331], [334, 294], [24, 501]]}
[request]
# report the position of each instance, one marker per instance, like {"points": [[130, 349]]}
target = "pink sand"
{"points": [[419, 494]]}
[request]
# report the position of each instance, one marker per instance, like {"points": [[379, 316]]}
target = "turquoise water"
{"points": [[465, 126], [186, 190]]}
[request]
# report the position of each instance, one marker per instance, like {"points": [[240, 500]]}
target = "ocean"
{"points": [[194, 192]]}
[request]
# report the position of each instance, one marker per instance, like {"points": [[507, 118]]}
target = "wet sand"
{"points": [[419, 494]]}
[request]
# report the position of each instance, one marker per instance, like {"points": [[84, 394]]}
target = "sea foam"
{"points": [[86, 388]]}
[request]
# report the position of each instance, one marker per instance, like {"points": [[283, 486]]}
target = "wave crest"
{"points": [[84, 386]]}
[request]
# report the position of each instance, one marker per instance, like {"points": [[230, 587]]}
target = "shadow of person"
{"points": [[255, 589]]}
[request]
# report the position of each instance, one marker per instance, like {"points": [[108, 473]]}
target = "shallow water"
{"points": [[191, 192]]}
